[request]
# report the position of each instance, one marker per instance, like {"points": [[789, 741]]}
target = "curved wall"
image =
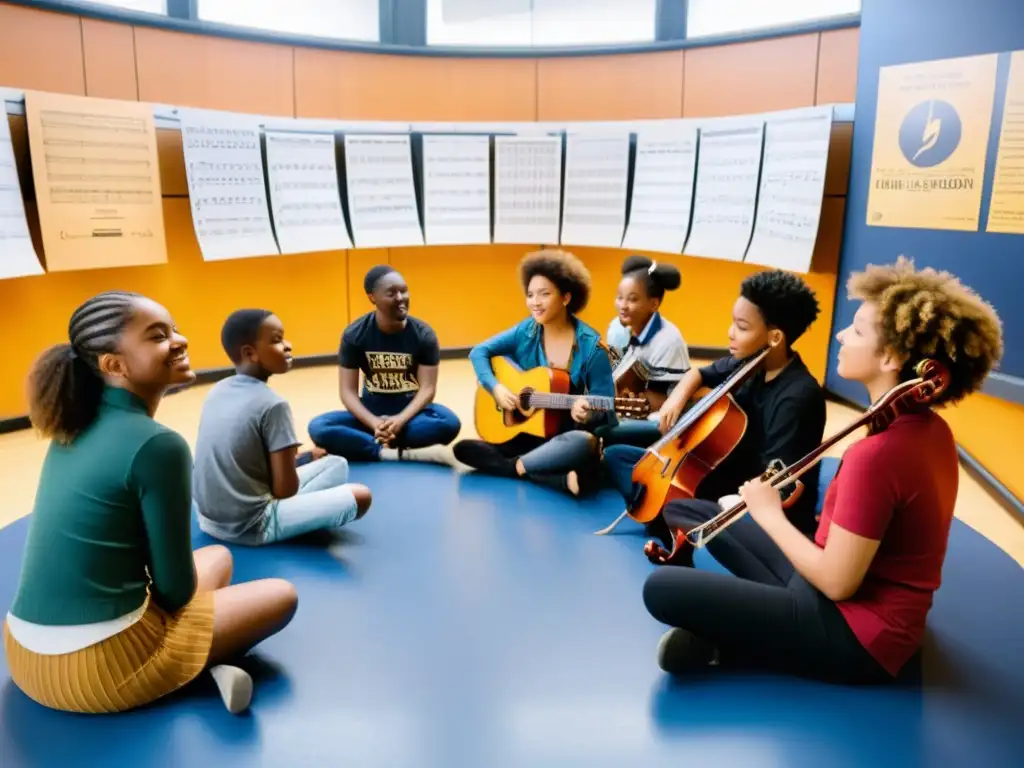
{"points": [[466, 293]]}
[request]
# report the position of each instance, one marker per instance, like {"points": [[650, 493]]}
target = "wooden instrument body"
{"points": [[678, 468], [496, 425], [631, 382]]}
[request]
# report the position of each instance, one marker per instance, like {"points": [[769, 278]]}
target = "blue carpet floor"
{"points": [[477, 622]]}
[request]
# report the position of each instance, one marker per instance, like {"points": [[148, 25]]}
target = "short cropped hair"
{"points": [[242, 327], [563, 269], [374, 276], [927, 314], [785, 301]]}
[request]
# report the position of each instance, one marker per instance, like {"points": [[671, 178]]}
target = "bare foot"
{"points": [[573, 481]]}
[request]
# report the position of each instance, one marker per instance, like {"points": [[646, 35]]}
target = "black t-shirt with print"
{"points": [[389, 361]]}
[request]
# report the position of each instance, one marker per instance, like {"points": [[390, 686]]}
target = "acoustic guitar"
{"points": [[544, 403]]}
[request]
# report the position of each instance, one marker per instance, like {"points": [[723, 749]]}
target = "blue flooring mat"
{"points": [[477, 622]]}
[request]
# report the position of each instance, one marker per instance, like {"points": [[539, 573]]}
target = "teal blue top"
{"points": [[590, 369], [112, 514]]}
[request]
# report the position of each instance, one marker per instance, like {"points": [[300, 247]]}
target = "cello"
{"points": [[675, 465], [931, 381]]}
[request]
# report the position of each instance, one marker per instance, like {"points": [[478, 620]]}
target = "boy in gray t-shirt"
{"points": [[246, 485]]}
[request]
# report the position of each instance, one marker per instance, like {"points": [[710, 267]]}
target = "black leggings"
{"points": [[765, 615]]}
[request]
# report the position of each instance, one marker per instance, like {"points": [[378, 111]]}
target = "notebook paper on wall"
{"points": [[659, 211], [527, 188], [226, 185], [596, 178], [381, 196], [17, 255], [304, 194], [725, 197], [457, 190], [792, 189], [97, 181]]}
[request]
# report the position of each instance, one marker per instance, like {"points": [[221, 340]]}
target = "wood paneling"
{"points": [[837, 66], [830, 239], [750, 77], [337, 84], [40, 51], [214, 73], [644, 85], [840, 151], [109, 60]]}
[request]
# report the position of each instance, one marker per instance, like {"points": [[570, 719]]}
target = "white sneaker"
{"points": [[235, 686]]}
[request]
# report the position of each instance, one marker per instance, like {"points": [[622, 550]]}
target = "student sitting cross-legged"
{"points": [[396, 417], [246, 486]]}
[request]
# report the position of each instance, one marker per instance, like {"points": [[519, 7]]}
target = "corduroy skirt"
{"points": [[155, 656]]}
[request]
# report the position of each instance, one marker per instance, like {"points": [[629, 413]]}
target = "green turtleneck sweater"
{"points": [[112, 514]]}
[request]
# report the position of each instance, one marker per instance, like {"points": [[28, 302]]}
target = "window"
{"points": [[340, 19], [145, 6], [721, 17], [523, 23]]}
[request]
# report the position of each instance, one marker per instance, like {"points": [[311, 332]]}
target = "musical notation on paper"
{"points": [[659, 212], [725, 197], [1006, 209], [527, 188], [596, 179], [457, 190], [227, 186], [305, 200], [789, 203], [18, 256], [381, 195], [97, 181]]}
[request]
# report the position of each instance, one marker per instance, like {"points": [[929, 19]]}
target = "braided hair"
{"points": [[65, 384]]}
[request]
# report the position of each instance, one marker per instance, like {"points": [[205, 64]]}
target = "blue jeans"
{"points": [[322, 501], [619, 460], [638, 432], [559, 455], [342, 434]]}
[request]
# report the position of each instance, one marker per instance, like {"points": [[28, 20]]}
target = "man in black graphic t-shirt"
{"points": [[395, 416]]}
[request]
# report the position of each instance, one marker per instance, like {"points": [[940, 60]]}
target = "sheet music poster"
{"points": [[728, 163], [528, 188], [97, 181], [381, 197], [17, 255], [304, 195], [596, 177], [226, 185], [457, 190], [659, 211], [792, 189]]}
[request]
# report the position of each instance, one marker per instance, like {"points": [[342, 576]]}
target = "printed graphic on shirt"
{"points": [[391, 373]]}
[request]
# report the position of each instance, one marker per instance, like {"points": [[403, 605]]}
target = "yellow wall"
{"points": [[466, 293]]}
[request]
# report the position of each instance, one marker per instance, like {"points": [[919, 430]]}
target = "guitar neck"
{"points": [[555, 402]]}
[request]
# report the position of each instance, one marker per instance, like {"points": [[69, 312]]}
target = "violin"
{"points": [[674, 466], [920, 392]]}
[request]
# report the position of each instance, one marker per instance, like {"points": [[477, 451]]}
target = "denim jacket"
{"points": [[590, 371]]}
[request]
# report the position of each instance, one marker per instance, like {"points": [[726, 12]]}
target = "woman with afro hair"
{"points": [[557, 287], [851, 604]]}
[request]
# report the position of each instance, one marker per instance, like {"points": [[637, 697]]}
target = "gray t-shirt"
{"points": [[242, 423]]}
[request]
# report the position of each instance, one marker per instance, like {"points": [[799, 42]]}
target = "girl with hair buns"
{"points": [[113, 609], [557, 288], [650, 340], [851, 604]]}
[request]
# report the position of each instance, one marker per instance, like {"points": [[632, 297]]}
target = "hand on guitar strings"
{"points": [[763, 502], [581, 411], [504, 397]]}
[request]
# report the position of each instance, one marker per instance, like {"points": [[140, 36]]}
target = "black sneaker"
{"points": [[681, 651]]}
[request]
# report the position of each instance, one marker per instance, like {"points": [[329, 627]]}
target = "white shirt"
{"points": [[660, 347]]}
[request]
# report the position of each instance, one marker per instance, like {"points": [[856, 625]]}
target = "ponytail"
{"points": [[65, 385], [656, 278]]}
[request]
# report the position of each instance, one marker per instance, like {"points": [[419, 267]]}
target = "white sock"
{"points": [[235, 687], [389, 454]]}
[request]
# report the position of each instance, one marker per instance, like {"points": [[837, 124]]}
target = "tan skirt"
{"points": [[155, 656]]}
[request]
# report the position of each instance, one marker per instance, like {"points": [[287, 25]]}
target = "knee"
{"points": [[337, 466], [285, 599], [316, 429], [220, 559], [654, 588], [363, 497]]}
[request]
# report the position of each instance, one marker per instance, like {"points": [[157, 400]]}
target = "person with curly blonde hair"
{"points": [[852, 604], [557, 288]]}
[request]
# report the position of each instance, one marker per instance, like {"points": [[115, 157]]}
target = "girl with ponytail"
{"points": [[113, 608]]}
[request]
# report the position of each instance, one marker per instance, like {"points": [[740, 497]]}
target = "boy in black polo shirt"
{"points": [[784, 403], [396, 416]]}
